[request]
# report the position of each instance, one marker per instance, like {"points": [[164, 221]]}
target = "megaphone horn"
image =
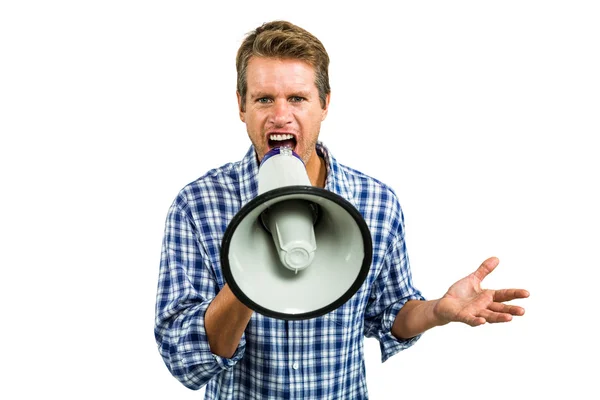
{"points": [[295, 251]]}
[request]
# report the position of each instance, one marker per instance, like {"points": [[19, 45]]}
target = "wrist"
{"points": [[438, 315]]}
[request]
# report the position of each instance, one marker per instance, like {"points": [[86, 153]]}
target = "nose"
{"points": [[281, 113]]}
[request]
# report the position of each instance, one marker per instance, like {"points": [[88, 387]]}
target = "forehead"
{"points": [[275, 74]]}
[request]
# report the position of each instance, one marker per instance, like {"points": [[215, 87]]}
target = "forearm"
{"points": [[225, 321], [414, 318]]}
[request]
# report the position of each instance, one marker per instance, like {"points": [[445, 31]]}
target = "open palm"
{"points": [[467, 302]]}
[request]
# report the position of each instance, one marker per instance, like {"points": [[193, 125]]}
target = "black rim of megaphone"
{"points": [[284, 191]]}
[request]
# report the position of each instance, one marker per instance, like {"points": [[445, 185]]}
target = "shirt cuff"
{"points": [[201, 353], [390, 344]]}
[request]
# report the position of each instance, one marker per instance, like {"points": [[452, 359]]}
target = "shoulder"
{"points": [[360, 185], [364, 185], [216, 185], [360, 179]]}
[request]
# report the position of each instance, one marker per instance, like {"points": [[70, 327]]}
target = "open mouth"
{"points": [[282, 140]]}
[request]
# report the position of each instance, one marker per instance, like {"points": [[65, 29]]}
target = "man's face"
{"points": [[282, 106]]}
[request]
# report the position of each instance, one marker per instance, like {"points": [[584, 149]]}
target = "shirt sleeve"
{"points": [[391, 290], [186, 287]]}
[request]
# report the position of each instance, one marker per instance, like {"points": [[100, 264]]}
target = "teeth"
{"points": [[281, 137]]}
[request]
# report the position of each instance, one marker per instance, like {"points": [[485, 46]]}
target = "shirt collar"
{"points": [[336, 180], [248, 177]]}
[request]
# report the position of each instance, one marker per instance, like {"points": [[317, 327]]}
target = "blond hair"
{"points": [[282, 39]]}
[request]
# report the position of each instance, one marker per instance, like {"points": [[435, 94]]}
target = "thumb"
{"points": [[486, 267]]}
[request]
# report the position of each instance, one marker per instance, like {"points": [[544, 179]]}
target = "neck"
{"points": [[316, 170]]}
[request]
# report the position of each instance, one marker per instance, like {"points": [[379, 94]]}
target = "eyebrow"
{"points": [[302, 93], [259, 95]]}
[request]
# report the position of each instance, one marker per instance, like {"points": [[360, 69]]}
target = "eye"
{"points": [[264, 100], [296, 99]]}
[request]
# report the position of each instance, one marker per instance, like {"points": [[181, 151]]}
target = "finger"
{"points": [[503, 295], [475, 321], [471, 319], [495, 317], [506, 309], [486, 267]]}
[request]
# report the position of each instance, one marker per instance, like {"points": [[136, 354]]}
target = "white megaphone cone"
{"points": [[294, 251]]}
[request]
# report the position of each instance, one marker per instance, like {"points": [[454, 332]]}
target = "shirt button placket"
{"points": [[295, 350], [290, 358]]}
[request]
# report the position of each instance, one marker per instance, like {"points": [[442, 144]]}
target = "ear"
{"points": [[325, 109], [240, 108]]}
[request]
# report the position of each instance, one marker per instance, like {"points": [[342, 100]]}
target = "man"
{"points": [[207, 336]]}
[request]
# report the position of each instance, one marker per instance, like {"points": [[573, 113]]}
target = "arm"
{"points": [[414, 318], [464, 302], [391, 292], [186, 289], [225, 320]]}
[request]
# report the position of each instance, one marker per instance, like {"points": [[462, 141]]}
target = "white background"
{"points": [[482, 115]]}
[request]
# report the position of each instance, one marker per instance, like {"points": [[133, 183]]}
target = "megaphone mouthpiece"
{"points": [[281, 167]]}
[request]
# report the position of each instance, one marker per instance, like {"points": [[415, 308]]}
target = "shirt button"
{"points": [[295, 365]]}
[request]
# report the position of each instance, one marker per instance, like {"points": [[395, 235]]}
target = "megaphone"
{"points": [[295, 251]]}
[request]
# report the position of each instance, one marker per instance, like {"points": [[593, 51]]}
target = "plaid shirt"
{"points": [[318, 358]]}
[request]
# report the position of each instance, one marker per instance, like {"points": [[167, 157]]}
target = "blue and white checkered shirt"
{"points": [[319, 358]]}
